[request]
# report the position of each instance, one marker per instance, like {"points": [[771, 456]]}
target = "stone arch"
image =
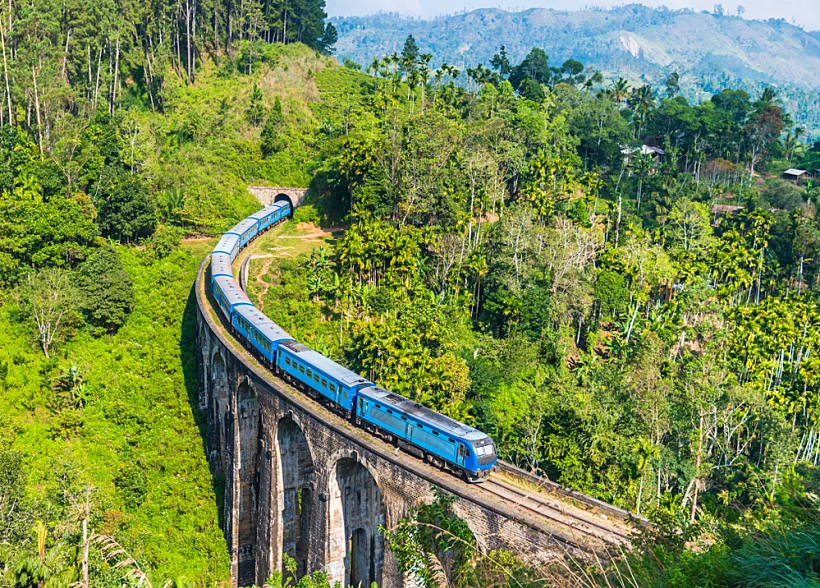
{"points": [[296, 494], [204, 388], [248, 425], [218, 438], [282, 197], [355, 552]]}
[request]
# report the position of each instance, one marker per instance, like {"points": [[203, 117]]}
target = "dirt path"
{"points": [[258, 273]]}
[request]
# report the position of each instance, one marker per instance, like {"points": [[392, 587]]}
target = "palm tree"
{"points": [[44, 567], [424, 74], [642, 100], [646, 452], [373, 69], [620, 91]]}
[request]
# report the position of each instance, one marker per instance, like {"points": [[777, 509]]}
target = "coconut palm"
{"points": [[620, 91]]}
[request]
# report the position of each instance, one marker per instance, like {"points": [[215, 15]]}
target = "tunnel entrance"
{"points": [[296, 494], [356, 548], [284, 198]]}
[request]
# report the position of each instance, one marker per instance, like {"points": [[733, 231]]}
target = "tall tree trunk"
{"points": [[37, 110], [116, 77], [97, 84], [150, 80], [65, 55], [85, 550], [6, 68]]}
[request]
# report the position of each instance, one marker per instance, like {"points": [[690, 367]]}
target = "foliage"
{"points": [[90, 426], [52, 304], [432, 543], [517, 253], [106, 289]]}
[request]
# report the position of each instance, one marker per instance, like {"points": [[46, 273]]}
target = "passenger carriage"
{"points": [[229, 295], [229, 245], [270, 215], [261, 333], [247, 230], [221, 265], [320, 374]]}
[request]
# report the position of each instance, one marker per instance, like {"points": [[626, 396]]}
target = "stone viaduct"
{"points": [[301, 480]]}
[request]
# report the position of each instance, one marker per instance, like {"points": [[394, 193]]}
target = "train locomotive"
{"points": [[416, 429]]}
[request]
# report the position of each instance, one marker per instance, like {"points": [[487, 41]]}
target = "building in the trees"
{"points": [[795, 175]]}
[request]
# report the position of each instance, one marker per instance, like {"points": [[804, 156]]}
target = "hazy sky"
{"points": [[802, 12]]}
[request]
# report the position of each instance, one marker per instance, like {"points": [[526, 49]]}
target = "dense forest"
{"points": [[610, 280]]}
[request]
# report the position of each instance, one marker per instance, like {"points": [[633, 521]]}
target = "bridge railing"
{"points": [[569, 493]]}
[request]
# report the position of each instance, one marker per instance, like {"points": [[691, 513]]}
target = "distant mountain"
{"points": [[640, 43]]}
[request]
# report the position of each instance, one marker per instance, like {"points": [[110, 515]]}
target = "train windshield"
{"points": [[485, 450]]}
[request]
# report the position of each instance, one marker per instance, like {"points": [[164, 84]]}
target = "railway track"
{"points": [[580, 524]]}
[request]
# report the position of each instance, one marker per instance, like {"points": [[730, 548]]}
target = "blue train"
{"points": [[440, 440]]}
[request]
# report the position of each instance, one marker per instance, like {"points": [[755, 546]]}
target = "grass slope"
{"points": [[139, 445]]}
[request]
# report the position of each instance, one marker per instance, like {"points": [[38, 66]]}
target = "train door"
{"points": [[462, 453], [409, 431]]}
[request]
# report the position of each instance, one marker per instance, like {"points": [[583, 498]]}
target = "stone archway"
{"points": [[248, 425], [355, 547], [204, 388], [296, 496], [217, 415]]}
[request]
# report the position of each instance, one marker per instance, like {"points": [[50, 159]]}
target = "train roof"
{"points": [[243, 226], [270, 209], [322, 363], [267, 327], [424, 414], [221, 264], [226, 243], [230, 288]]}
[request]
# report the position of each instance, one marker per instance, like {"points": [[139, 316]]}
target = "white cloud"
{"points": [[802, 12]]}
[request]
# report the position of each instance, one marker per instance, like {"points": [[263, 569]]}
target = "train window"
{"points": [[324, 382], [345, 395], [452, 440], [404, 418], [332, 387], [462, 451], [435, 433], [389, 411], [315, 377], [302, 369], [287, 360], [309, 373]]}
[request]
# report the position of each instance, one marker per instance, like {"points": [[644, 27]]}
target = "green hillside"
{"points": [[710, 52]]}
